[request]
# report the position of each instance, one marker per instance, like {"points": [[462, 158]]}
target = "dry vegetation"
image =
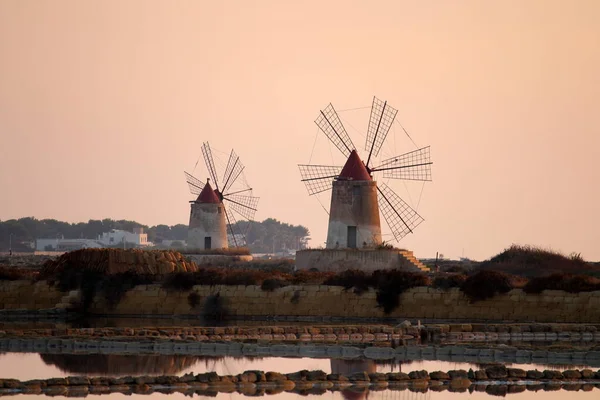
{"points": [[532, 261]]}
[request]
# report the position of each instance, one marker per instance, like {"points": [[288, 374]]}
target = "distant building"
{"points": [[108, 239], [116, 236], [62, 244]]}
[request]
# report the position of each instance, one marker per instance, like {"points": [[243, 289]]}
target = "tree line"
{"points": [[263, 237]]}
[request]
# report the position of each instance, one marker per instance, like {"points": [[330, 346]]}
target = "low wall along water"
{"points": [[318, 301]]}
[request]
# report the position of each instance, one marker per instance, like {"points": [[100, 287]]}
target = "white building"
{"points": [[116, 236], [112, 238], [62, 244]]}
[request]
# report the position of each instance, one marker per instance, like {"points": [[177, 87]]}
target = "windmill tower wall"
{"points": [[207, 220], [354, 215]]}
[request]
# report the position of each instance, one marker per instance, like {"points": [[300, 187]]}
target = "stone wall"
{"points": [[26, 295], [321, 301], [368, 260], [217, 259], [332, 301]]}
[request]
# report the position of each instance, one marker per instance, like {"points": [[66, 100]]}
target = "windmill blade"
{"points": [[318, 178], [243, 205], [400, 217], [231, 228], [331, 125], [414, 166], [232, 171], [210, 163], [195, 184], [380, 122]]}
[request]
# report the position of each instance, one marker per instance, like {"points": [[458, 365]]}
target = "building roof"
{"points": [[208, 195], [355, 169]]}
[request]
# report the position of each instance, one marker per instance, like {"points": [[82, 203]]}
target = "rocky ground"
{"points": [[495, 379]]}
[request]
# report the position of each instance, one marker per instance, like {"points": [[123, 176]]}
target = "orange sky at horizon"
{"points": [[103, 104]]}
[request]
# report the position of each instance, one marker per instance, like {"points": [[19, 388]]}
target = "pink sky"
{"points": [[103, 104]]}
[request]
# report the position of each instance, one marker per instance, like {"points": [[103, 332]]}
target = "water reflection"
{"points": [[349, 367], [121, 364]]}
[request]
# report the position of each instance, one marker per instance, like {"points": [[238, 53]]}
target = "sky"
{"points": [[104, 104]]}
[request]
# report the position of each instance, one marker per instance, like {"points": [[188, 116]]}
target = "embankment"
{"points": [[315, 301]]}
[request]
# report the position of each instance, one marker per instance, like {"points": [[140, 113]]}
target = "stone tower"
{"points": [[354, 212], [207, 229]]}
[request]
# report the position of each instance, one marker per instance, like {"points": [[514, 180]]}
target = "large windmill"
{"points": [[212, 213], [357, 199]]}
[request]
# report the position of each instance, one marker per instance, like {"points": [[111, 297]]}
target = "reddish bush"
{"points": [[449, 281], [567, 282], [16, 274], [486, 284], [350, 278], [390, 284]]}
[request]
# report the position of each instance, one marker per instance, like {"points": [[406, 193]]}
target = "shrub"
{"points": [[16, 274], [193, 299], [215, 308], [90, 283], [455, 269], [183, 281], [114, 287], [567, 282], [350, 278], [310, 277], [295, 298], [273, 283], [446, 282], [486, 284], [390, 284]]}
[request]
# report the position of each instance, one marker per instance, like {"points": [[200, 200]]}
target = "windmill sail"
{"points": [[415, 165], [231, 229], [232, 171], [210, 163], [243, 205], [380, 122], [195, 184], [318, 178], [400, 217], [330, 124]]}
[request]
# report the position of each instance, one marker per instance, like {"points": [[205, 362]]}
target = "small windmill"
{"points": [[357, 198], [212, 213]]}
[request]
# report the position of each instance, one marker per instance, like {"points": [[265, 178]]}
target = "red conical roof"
{"points": [[207, 195], [355, 169]]}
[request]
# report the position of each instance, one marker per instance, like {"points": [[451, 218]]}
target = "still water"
{"points": [[24, 366]]}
